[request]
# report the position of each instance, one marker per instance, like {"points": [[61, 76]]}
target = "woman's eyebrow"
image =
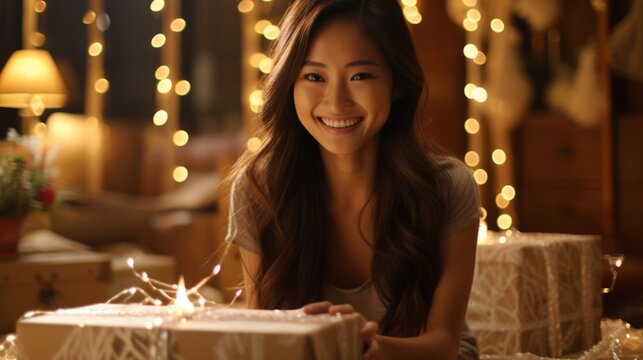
{"points": [[352, 63]]}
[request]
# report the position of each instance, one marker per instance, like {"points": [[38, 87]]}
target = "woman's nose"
{"points": [[338, 97]]}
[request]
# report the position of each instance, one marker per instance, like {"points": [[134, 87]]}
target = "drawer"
{"points": [[569, 210]]}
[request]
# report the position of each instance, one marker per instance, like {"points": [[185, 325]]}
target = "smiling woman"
{"points": [[343, 201]]}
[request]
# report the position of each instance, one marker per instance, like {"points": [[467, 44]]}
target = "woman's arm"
{"points": [[446, 317], [250, 262]]}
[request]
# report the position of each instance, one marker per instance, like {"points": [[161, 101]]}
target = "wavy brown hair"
{"points": [[280, 188]]}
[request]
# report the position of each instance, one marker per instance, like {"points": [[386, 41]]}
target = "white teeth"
{"points": [[340, 123]]}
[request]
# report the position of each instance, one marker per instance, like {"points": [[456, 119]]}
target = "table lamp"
{"points": [[31, 81]]}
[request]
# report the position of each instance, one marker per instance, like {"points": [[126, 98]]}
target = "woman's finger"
{"points": [[369, 330], [341, 309], [320, 307]]}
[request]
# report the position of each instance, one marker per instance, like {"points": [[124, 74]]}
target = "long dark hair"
{"points": [[280, 187]]}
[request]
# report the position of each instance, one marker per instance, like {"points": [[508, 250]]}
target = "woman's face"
{"points": [[344, 89]]}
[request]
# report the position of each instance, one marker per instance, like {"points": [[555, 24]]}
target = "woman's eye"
{"points": [[313, 77], [362, 76]]}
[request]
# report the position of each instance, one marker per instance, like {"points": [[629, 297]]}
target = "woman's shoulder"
{"points": [[454, 169]]}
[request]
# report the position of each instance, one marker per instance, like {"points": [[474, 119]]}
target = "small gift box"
{"points": [[106, 331], [537, 293]]}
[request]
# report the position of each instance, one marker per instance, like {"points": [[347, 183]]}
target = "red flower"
{"points": [[46, 196]]}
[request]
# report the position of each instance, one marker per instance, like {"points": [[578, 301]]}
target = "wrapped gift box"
{"points": [[106, 331], [50, 281], [537, 293]]}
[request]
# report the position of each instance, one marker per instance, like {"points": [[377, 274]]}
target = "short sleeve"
{"points": [[462, 198], [240, 230]]}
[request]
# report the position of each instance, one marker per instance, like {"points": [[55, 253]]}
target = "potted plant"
{"points": [[25, 186]]}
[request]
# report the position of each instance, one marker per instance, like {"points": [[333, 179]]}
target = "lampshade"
{"points": [[30, 78]]}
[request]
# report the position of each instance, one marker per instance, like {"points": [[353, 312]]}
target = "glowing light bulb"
{"points": [[130, 263], [409, 2], [255, 59], [469, 25], [479, 94], [101, 85], [508, 192], [469, 89], [472, 158], [182, 87], [180, 138], [182, 303], [470, 3], [498, 156], [254, 144], [482, 231], [470, 51], [40, 6], [261, 25], [95, 49], [472, 126], [160, 117], [265, 65], [480, 58], [158, 40], [474, 15], [180, 174], [480, 176], [501, 202], [256, 98], [245, 6], [162, 72], [497, 25], [40, 129], [484, 213], [164, 86], [216, 270], [89, 17], [271, 32], [157, 5], [504, 221], [177, 25]]}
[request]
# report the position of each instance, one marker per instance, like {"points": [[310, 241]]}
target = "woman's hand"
{"points": [[368, 329]]}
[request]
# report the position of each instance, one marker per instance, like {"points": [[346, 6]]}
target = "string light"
{"points": [[254, 144], [164, 86], [480, 176], [158, 40], [180, 138], [497, 25], [245, 6], [504, 221], [101, 86], [472, 158], [95, 49], [271, 32], [177, 25], [157, 5], [162, 72], [160, 118], [471, 126], [180, 173], [498, 156], [182, 87]]}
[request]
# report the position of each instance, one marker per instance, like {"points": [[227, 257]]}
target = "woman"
{"points": [[343, 204]]}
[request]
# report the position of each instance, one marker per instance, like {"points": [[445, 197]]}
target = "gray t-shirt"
{"points": [[462, 209]]}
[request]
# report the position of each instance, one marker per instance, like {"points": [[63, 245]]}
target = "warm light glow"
{"points": [[177, 25], [409, 2], [95, 49], [498, 156], [180, 138], [501, 202], [182, 302], [180, 174], [37, 105], [256, 98], [468, 90], [92, 123], [40, 6], [479, 94], [254, 144], [216, 270], [414, 18], [245, 6], [182, 87], [480, 176], [474, 15], [271, 32], [471, 126], [265, 65], [38, 39], [160, 117], [158, 40], [508, 192], [469, 25], [504, 221], [482, 230], [470, 3], [470, 51], [472, 158], [40, 129], [255, 59], [484, 213], [30, 78], [480, 58], [157, 5], [89, 17], [101, 85], [162, 72], [261, 25], [497, 25], [130, 263], [164, 86]]}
